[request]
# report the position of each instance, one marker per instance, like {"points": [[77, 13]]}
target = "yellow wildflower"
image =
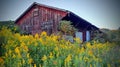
{"points": [[40, 65], [82, 50], [9, 52], [86, 59], [44, 58], [108, 65], [30, 60], [90, 65], [22, 44], [43, 33], [51, 55], [17, 50], [6, 54], [34, 65], [54, 38], [89, 45], [25, 47], [19, 55], [68, 58], [28, 55], [78, 50], [23, 61], [56, 48], [77, 40], [36, 36], [90, 52], [13, 56], [36, 44]]}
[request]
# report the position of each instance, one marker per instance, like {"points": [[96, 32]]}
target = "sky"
{"points": [[101, 13]]}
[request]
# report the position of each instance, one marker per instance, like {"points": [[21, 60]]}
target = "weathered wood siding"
{"points": [[40, 18]]}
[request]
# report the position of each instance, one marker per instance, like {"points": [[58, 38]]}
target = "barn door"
{"points": [[79, 35], [87, 35]]}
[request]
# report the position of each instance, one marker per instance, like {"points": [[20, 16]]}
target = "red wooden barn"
{"points": [[39, 17]]}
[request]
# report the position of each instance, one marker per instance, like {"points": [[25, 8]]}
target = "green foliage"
{"points": [[8, 24], [111, 35], [11, 25], [66, 27]]}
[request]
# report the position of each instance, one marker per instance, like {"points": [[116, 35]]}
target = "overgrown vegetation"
{"points": [[42, 50], [111, 35], [11, 25], [67, 28]]}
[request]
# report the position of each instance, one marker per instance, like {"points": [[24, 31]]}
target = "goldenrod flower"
{"points": [[43, 33], [56, 48], [34, 65], [88, 45], [77, 40], [30, 60], [13, 56], [6, 54], [40, 65], [86, 59], [51, 55], [44, 58], [68, 58], [36, 36], [23, 61], [90, 52], [9, 52], [54, 38], [108, 65], [28, 55], [90, 65], [17, 50], [36, 44], [82, 50], [24, 46]]}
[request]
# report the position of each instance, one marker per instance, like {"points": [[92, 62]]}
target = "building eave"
{"points": [[78, 22]]}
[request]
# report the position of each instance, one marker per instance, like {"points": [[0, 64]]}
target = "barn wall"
{"points": [[40, 18]]}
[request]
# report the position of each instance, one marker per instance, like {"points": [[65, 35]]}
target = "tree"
{"points": [[66, 27]]}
